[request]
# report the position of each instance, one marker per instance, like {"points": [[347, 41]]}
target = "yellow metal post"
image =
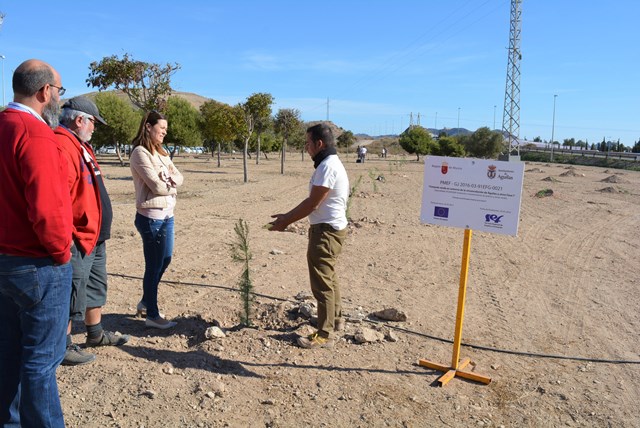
{"points": [[462, 295]]}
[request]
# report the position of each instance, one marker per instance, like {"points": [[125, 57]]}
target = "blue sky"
{"points": [[375, 61]]}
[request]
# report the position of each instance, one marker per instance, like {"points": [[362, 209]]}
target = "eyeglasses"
{"points": [[91, 119], [61, 90]]}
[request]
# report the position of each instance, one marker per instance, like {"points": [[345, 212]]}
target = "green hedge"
{"points": [[580, 160]]}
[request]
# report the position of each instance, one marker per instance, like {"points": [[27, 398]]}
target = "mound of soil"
{"points": [[571, 172], [613, 179]]}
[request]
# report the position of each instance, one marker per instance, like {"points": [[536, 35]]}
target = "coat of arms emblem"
{"points": [[491, 172]]}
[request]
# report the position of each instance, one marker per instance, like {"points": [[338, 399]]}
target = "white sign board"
{"points": [[476, 194]]}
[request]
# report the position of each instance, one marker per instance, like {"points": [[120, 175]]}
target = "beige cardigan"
{"points": [[151, 187]]}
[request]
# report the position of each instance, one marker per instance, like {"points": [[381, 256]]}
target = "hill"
{"points": [[195, 99]]}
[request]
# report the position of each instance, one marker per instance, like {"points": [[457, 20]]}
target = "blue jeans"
{"points": [[34, 312], [157, 244]]}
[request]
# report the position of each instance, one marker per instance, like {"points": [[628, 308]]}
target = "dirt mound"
{"points": [[571, 172], [551, 179], [613, 179], [608, 190]]}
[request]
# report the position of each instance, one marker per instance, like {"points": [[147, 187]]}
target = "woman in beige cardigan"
{"points": [[156, 180]]}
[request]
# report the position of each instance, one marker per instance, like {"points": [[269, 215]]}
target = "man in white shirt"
{"points": [[326, 208]]}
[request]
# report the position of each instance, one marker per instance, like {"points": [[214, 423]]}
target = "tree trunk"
{"points": [[258, 151], [418, 157], [284, 150], [245, 152], [118, 152], [218, 155], [302, 154]]}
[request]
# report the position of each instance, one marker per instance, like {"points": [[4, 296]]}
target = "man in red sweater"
{"points": [[35, 243], [92, 216]]}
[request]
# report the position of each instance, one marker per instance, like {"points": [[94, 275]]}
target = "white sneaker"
{"points": [[141, 310], [160, 323]]}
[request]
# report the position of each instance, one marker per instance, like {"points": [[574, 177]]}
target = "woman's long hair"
{"points": [[144, 139]]}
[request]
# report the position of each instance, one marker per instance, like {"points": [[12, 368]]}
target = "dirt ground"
{"points": [[566, 286]]}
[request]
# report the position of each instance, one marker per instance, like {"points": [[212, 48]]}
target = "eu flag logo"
{"points": [[442, 212]]}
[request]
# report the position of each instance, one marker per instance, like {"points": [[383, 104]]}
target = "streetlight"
{"points": [[2, 57], [553, 125], [494, 117], [435, 126], [458, 117]]}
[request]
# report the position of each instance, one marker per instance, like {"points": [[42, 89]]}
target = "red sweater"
{"points": [[83, 186], [35, 208]]}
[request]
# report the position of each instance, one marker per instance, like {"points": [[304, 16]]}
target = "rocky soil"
{"points": [[551, 315]]}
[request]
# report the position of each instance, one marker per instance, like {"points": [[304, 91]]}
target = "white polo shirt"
{"points": [[333, 210]]}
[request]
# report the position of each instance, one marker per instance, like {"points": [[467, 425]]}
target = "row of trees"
{"points": [[483, 143], [248, 126], [603, 146]]}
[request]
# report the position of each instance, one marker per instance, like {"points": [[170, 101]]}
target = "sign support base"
{"points": [[450, 372], [457, 366]]}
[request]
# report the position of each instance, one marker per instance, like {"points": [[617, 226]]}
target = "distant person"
{"points": [[384, 152], [92, 215], [363, 151], [156, 180], [326, 208], [35, 249], [359, 152]]}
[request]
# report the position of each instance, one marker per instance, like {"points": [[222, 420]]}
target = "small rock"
{"points": [[268, 402], [148, 393], [214, 332], [210, 394], [218, 388], [391, 336], [367, 335], [304, 295], [391, 314], [495, 366], [276, 252], [308, 309]]}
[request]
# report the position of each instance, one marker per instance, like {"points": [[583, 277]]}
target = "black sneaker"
{"points": [[108, 339], [74, 356]]}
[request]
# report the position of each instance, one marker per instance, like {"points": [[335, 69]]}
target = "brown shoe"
{"points": [[314, 341]]}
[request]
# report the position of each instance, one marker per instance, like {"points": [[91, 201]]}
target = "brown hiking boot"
{"points": [[314, 341]]}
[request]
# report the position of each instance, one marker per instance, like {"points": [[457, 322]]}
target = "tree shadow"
{"points": [[197, 171], [128, 178], [191, 327], [193, 359]]}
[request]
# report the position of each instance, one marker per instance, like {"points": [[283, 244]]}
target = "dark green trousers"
{"points": [[325, 244]]}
